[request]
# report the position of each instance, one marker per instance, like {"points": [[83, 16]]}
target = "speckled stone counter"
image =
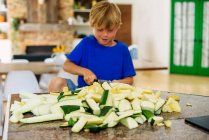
{"points": [[179, 129]]}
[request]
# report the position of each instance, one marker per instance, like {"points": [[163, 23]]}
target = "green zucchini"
{"points": [[106, 99], [148, 114], [105, 110], [69, 108]]}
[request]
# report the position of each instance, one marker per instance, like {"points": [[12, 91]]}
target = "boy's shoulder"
{"points": [[121, 44]]}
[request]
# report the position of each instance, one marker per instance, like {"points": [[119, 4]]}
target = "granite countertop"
{"points": [[178, 130]]}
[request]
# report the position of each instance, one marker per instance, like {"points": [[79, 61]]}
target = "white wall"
{"points": [[151, 29]]}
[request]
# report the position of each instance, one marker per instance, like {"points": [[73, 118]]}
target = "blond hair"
{"points": [[105, 15]]}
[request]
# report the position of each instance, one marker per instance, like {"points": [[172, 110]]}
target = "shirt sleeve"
{"points": [[76, 54], [128, 67]]}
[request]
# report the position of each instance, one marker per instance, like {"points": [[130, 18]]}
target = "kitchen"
{"points": [[150, 34]]}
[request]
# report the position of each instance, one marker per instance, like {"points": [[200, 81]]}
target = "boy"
{"points": [[99, 56]]}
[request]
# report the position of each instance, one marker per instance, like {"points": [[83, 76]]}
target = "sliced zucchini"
{"points": [[158, 112], [78, 126], [42, 118], [125, 114], [159, 104], [156, 119], [69, 108], [124, 105], [141, 119], [129, 122], [105, 110], [147, 105], [111, 117], [106, 86], [93, 105], [57, 109], [136, 105], [106, 99], [148, 114]]}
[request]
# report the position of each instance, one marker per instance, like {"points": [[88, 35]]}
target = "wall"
{"points": [[40, 33], [151, 29]]}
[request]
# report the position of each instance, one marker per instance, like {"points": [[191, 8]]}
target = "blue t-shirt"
{"points": [[107, 63]]}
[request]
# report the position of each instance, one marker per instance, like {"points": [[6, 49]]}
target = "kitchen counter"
{"points": [[178, 130]]}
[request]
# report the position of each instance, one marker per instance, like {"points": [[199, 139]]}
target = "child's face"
{"points": [[105, 36]]}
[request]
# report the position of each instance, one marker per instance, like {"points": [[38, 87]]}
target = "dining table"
{"points": [[36, 67]]}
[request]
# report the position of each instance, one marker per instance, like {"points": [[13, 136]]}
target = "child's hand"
{"points": [[89, 77]]}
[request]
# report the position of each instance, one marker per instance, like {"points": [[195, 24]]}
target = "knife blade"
{"points": [[100, 81]]}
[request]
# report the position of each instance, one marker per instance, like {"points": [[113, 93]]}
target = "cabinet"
{"points": [[81, 17], [189, 53]]}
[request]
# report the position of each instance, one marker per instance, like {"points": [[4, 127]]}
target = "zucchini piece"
{"points": [[28, 107], [147, 105], [72, 122], [105, 110], [78, 126], [115, 103], [112, 123], [136, 105], [42, 110], [93, 105], [106, 99], [111, 117], [167, 123], [69, 108], [148, 114], [57, 109], [159, 104], [155, 120], [158, 111], [129, 122], [124, 105], [42, 118], [106, 86], [141, 119], [125, 114], [15, 118], [61, 95], [93, 128], [75, 91], [68, 97]]}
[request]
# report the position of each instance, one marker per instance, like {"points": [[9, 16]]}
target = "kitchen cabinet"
{"points": [[189, 53]]}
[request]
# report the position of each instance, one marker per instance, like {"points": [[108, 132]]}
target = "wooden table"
{"points": [[36, 67], [178, 130]]}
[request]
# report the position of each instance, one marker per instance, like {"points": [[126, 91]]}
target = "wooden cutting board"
{"points": [[178, 130]]}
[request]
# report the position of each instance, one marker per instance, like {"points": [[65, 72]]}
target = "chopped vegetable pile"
{"points": [[97, 107]]}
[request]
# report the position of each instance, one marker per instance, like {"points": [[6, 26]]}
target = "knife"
{"points": [[100, 81]]}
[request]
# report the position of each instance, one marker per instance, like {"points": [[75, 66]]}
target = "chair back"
{"points": [[20, 81]]}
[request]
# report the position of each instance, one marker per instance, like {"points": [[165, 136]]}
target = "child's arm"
{"points": [[88, 75], [127, 80]]}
